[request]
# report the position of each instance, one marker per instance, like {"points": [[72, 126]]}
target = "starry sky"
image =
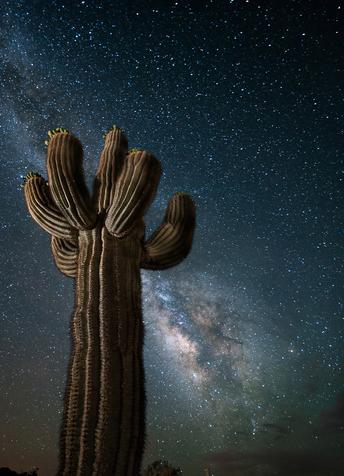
{"points": [[242, 102]]}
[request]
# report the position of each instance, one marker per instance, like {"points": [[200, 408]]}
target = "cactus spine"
{"points": [[99, 240]]}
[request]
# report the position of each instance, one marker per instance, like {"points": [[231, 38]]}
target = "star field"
{"points": [[242, 102]]}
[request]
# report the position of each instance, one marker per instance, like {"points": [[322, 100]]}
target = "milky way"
{"points": [[241, 101]]}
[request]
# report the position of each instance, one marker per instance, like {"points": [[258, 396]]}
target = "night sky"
{"points": [[242, 102]]}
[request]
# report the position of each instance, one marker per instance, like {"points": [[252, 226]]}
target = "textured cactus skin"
{"points": [[99, 240]]}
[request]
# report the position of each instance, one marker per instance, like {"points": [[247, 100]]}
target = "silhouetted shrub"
{"points": [[161, 468], [9, 472]]}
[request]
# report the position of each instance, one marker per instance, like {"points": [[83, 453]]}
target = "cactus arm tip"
{"points": [[31, 174], [54, 132], [114, 127]]}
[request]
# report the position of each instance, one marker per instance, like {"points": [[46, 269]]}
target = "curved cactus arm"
{"points": [[110, 164], [65, 254], [135, 189], [66, 179], [172, 241], [43, 209]]}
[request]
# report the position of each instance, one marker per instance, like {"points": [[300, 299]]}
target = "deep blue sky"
{"points": [[242, 102]]}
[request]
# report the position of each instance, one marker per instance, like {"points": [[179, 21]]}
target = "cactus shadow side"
{"points": [[99, 240]]}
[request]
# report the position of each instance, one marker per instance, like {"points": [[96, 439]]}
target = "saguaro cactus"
{"points": [[99, 239]]}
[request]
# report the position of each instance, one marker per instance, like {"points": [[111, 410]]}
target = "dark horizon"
{"points": [[242, 103]]}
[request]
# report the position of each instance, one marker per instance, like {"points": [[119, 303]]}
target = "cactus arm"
{"points": [[172, 241], [43, 209], [66, 179], [110, 164], [135, 189], [65, 253]]}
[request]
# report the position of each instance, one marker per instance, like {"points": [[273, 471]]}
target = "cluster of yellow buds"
{"points": [[53, 132], [29, 176], [113, 128]]}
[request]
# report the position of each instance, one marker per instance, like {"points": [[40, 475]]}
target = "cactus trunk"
{"points": [[103, 426], [100, 241]]}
